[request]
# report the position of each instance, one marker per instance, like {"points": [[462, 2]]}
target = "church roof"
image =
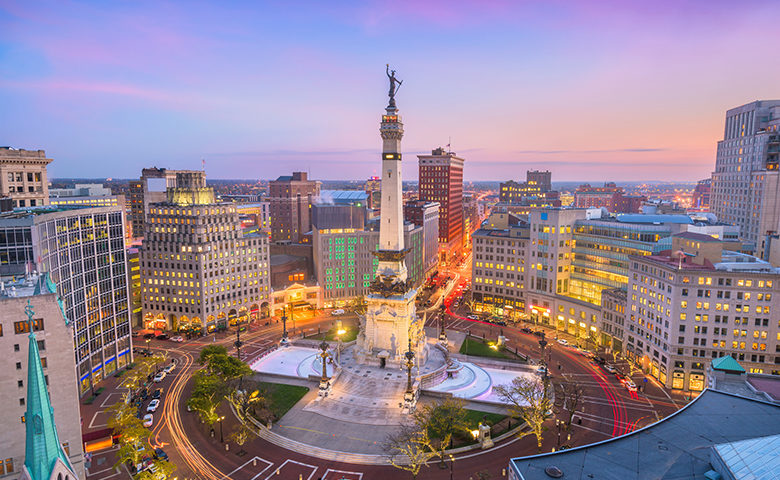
{"points": [[42, 445]]}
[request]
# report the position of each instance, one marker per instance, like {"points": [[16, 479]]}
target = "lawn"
{"points": [[350, 334], [478, 348], [473, 417], [281, 398]]}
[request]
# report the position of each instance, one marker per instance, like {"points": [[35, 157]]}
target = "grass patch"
{"points": [[280, 397], [330, 336], [473, 417], [478, 348]]}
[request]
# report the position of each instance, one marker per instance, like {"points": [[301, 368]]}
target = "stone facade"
{"points": [[441, 180], [55, 343], [23, 177], [291, 197]]}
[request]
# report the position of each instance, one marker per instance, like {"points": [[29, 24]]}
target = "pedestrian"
{"points": [[579, 420], [214, 340]]}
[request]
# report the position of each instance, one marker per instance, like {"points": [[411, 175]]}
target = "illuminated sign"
{"points": [[389, 118]]}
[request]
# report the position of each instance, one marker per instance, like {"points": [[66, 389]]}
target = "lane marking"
{"points": [[330, 470], [280, 467]]}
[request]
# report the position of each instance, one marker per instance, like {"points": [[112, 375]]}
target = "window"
{"points": [[7, 466], [24, 327]]}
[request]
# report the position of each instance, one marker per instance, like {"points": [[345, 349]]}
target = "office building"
{"points": [[537, 183], [291, 197], [587, 196], [255, 217], [199, 271], [83, 251], [697, 302], [373, 190], [152, 188], [700, 201], [745, 183], [38, 385], [426, 215], [23, 177], [441, 180]]}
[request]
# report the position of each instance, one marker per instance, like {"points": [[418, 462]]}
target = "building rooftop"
{"points": [[342, 196], [699, 237], [21, 286], [754, 458], [677, 447], [727, 364]]}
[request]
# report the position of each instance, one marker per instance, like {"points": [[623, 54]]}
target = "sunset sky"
{"points": [[593, 91]]}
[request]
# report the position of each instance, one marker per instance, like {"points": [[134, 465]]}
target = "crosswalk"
{"points": [[258, 468]]}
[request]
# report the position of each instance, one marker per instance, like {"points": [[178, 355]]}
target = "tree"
{"points": [[227, 367], [208, 391], [569, 399], [245, 399], [528, 400], [132, 442], [411, 444], [358, 305], [241, 434], [441, 421], [162, 469], [209, 351]]}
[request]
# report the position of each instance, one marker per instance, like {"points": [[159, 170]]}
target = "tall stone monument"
{"points": [[391, 322]]}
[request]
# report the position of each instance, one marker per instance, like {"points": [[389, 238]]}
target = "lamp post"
{"points": [[221, 437], [238, 342], [452, 465], [339, 333], [284, 327], [147, 345], [324, 355], [409, 363]]}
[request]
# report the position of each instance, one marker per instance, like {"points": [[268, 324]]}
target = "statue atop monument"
{"points": [[395, 84]]}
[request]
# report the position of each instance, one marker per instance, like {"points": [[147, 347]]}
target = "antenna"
{"points": [[203, 164]]}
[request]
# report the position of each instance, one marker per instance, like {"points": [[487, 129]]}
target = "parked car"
{"points": [[631, 386], [148, 336], [338, 311], [148, 420], [500, 323], [159, 377], [153, 405], [609, 368], [169, 368], [621, 378], [472, 317], [526, 330], [539, 333], [157, 393], [177, 339], [563, 341], [160, 454], [162, 336]]}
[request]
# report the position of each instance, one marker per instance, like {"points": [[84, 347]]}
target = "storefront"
{"points": [[678, 380], [696, 382]]}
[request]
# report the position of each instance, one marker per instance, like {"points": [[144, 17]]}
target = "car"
{"points": [[472, 317], [610, 368], [162, 336], [631, 386], [338, 311], [539, 333], [153, 405], [148, 336], [526, 330], [159, 377], [169, 368], [563, 341], [148, 420], [144, 394], [500, 323], [157, 393], [177, 339], [621, 378], [160, 454]]}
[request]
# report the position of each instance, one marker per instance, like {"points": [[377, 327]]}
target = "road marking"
{"points": [[92, 422], [109, 396], [253, 461], [330, 470], [280, 467]]}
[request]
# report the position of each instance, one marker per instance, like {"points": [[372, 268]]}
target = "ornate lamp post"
{"points": [[221, 436], [339, 333], [324, 380], [410, 399], [285, 342], [442, 332], [238, 341]]}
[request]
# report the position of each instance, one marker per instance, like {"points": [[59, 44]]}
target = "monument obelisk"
{"points": [[390, 323]]}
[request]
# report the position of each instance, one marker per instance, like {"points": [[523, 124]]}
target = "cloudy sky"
{"points": [[602, 90]]}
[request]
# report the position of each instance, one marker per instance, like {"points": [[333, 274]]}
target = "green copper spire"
{"points": [[43, 447]]}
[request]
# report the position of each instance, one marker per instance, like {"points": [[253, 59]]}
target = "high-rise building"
{"points": [[151, 188], [441, 180], [23, 177], [426, 215], [746, 182], [697, 302], [373, 189], [701, 195], [38, 384], [83, 250], [199, 271], [291, 197], [537, 183]]}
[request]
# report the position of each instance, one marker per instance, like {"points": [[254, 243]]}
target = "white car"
{"points": [[153, 405], [563, 341], [148, 420], [177, 339], [631, 386], [337, 312], [159, 377], [169, 368], [610, 368]]}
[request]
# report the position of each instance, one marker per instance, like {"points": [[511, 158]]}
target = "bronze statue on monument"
{"points": [[395, 84]]}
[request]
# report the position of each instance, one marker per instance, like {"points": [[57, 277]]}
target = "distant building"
{"points": [[426, 215], [373, 190], [23, 177], [38, 384], [701, 195], [199, 271], [586, 196], [255, 217], [291, 197], [536, 184], [441, 180], [746, 180]]}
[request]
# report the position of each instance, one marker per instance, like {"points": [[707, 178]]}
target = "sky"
{"points": [[606, 90]]}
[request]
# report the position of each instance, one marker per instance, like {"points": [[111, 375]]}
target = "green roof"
{"points": [[727, 364]]}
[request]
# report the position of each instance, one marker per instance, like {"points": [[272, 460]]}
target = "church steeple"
{"points": [[44, 455]]}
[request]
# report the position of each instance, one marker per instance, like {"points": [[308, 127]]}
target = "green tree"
{"points": [[227, 367], [240, 435], [441, 421], [528, 399], [358, 305], [132, 442], [209, 351], [208, 391], [409, 449]]}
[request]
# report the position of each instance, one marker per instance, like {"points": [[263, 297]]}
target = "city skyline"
{"points": [[261, 91]]}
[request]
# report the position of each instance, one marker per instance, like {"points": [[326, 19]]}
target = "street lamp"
{"points": [[452, 465], [238, 342], [284, 326], [147, 344], [339, 333], [221, 437]]}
